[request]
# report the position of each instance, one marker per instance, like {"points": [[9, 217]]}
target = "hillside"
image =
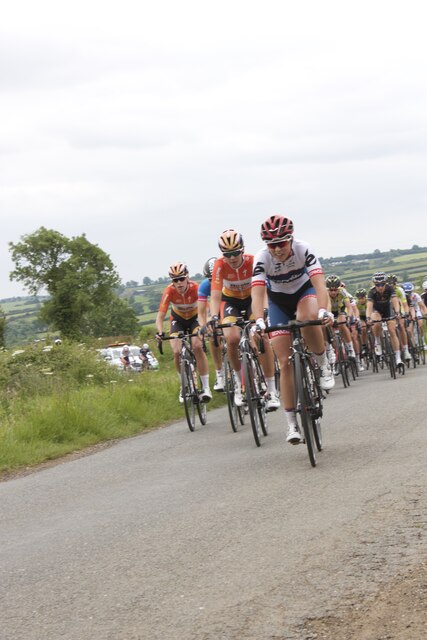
{"points": [[355, 270]]}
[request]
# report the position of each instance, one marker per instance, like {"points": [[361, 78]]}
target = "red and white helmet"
{"points": [[277, 228]]}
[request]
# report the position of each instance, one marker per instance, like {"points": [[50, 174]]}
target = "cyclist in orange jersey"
{"points": [[182, 296], [230, 296]]}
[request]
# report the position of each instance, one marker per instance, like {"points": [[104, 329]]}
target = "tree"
{"points": [[78, 276], [147, 280]]}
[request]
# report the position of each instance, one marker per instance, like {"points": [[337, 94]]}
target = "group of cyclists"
{"points": [[282, 282]]}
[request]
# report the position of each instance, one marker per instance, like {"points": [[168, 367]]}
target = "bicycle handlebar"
{"points": [[293, 325]]}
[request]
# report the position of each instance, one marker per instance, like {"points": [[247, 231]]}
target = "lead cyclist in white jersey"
{"points": [[296, 288]]}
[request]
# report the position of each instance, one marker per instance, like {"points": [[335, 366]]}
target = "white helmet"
{"points": [[125, 349], [425, 284], [145, 346]]}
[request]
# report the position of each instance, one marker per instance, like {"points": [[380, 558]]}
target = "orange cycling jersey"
{"points": [[234, 283], [184, 305]]}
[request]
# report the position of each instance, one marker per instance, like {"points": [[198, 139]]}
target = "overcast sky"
{"points": [[153, 126]]}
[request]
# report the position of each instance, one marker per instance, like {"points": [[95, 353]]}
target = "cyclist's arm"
{"points": [[369, 308], [202, 312], [160, 321], [396, 304], [215, 302], [258, 301], [318, 282]]}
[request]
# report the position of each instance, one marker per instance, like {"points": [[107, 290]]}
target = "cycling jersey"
{"points": [[234, 283], [382, 300], [362, 308], [286, 277], [183, 305], [339, 302], [204, 290], [424, 297], [413, 299]]}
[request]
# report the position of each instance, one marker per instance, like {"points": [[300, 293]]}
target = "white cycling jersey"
{"points": [[415, 300], [288, 276]]}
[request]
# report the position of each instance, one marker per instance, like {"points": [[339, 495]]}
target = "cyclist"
{"points": [[416, 306], [342, 311], [383, 303], [424, 294], [182, 295], [203, 317], [292, 276], [404, 313], [230, 296], [361, 301]]}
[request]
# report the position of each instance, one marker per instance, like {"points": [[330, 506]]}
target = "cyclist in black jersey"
{"points": [[383, 303]]}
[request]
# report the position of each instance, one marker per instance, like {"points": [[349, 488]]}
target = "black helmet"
{"points": [[208, 268], [333, 282], [361, 293]]}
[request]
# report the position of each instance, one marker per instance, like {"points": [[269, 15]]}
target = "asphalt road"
{"points": [[179, 535]]}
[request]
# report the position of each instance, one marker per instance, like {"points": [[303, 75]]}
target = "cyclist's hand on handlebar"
{"points": [[326, 317], [203, 330], [160, 335], [213, 322], [259, 326]]}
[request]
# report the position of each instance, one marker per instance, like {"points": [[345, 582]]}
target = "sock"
{"points": [[271, 384], [321, 359], [291, 417], [218, 373], [205, 381]]}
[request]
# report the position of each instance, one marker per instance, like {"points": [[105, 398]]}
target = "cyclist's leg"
{"points": [[307, 309], [281, 343]]}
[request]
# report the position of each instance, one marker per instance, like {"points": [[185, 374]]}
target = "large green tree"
{"points": [[80, 279]]}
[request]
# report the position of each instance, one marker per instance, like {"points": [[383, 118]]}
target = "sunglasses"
{"points": [[279, 244], [232, 254], [380, 285], [180, 279], [333, 290]]}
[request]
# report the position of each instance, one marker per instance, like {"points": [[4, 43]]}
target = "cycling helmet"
{"points": [[408, 287], [361, 293], [208, 268], [391, 279], [230, 240], [125, 350], [178, 270], [145, 346], [379, 278], [333, 282], [277, 228], [424, 285]]}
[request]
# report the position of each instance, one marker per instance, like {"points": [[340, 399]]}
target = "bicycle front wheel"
{"points": [[188, 390], [304, 404], [237, 414], [252, 391]]}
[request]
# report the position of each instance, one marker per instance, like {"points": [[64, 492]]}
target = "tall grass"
{"points": [[63, 400]]}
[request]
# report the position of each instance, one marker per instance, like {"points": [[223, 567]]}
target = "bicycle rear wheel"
{"points": [[188, 390], [303, 403], [253, 397]]}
